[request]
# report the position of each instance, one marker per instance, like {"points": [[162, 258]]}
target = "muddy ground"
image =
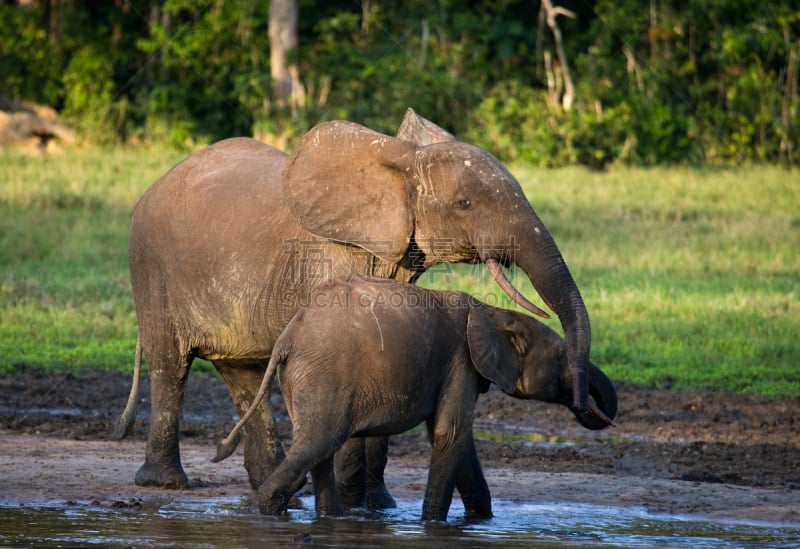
{"points": [[719, 455]]}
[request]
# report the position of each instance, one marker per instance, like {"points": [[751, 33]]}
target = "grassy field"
{"points": [[691, 277]]}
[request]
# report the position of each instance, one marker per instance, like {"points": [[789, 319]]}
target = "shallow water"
{"points": [[233, 522]]}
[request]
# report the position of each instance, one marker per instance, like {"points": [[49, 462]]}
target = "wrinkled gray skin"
{"points": [[227, 245], [371, 357]]}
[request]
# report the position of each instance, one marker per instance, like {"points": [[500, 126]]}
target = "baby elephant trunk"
{"points": [[602, 401]]}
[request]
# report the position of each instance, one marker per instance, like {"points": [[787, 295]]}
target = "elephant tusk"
{"points": [[510, 290], [595, 409]]}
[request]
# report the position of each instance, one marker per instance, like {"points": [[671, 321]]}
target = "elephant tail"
{"points": [[124, 423], [227, 446]]}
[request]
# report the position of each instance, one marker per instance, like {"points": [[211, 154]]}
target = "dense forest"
{"points": [[551, 82]]}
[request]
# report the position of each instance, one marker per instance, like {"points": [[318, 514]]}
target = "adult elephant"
{"points": [[226, 246]]}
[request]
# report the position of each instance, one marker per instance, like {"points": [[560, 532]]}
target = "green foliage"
{"points": [[515, 119], [655, 82], [28, 69], [89, 88], [704, 82], [212, 59]]}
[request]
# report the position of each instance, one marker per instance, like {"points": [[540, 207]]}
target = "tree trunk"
{"points": [[286, 87], [789, 106], [550, 14]]}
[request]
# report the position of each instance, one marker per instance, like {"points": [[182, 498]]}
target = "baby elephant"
{"points": [[372, 357]]}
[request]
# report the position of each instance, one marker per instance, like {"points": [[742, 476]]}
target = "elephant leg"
{"points": [[262, 451], [447, 457], [472, 485], [307, 453], [275, 492], [326, 494], [350, 467], [168, 372], [359, 466], [377, 450]]}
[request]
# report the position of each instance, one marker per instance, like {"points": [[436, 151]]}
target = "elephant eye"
{"points": [[462, 202]]}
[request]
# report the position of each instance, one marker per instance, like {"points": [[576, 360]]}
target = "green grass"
{"points": [[691, 276], [64, 291]]}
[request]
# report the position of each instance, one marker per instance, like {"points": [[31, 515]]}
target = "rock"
{"points": [[32, 128]]}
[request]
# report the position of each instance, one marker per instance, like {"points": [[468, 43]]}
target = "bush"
{"points": [[89, 95], [695, 82], [516, 123]]}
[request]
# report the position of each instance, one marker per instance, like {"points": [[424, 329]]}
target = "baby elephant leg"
{"points": [[275, 492], [350, 466], [377, 454], [310, 452], [472, 485], [326, 494], [447, 457], [359, 466]]}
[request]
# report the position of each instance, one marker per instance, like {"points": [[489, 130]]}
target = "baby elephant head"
{"points": [[527, 360]]}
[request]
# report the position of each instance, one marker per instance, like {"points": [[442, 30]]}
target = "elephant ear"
{"points": [[420, 131], [348, 183], [494, 346]]}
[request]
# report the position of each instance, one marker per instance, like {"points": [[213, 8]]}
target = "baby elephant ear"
{"points": [[348, 183], [491, 346], [420, 131]]}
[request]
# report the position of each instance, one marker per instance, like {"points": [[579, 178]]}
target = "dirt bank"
{"points": [[726, 456]]}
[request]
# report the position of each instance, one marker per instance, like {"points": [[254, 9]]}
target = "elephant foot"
{"points": [[327, 509], [163, 476], [376, 498], [352, 495], [380, 498], [274, 504], [277, 502], [477, 510]]}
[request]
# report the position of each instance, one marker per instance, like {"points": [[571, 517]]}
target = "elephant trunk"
{"points": [[538, 255], [602, 400]]}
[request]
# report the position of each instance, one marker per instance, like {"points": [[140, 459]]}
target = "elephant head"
{"points": [[527, 360], [425, 198]]}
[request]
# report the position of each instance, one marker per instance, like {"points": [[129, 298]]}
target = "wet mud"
{"points": [[718, 456]]}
